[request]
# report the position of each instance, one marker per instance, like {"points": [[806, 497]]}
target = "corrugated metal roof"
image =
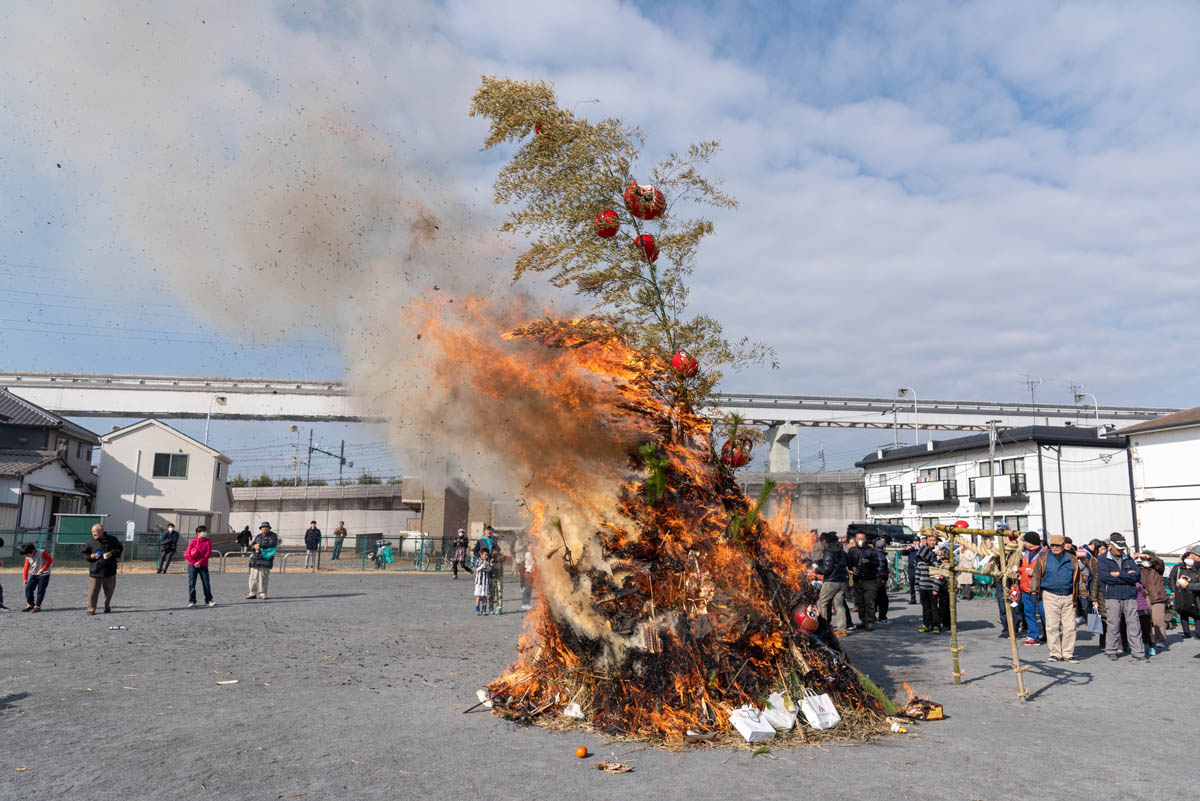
{"points": [[16, 411], [1188, 417], [15, 463]]}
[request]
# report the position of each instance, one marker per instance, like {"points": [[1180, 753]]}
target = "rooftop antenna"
{"points": [[1033, 382]]}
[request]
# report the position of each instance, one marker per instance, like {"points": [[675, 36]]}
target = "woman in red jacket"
{"points": [[196, 554], [36, 576]]}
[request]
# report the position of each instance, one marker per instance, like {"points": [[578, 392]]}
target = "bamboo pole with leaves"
{"points": [[566, 170]]}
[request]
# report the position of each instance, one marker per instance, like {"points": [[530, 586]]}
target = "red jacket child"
{"points": [[198, 551]]}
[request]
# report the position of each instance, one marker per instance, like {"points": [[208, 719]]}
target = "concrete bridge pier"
{"points": [[779, 444]]}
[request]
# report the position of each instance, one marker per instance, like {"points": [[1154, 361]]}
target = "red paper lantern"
{"points": [[736, 453], [961, 524], [685, 363], [644, 201], [537, 127], [606, 224], [807, 618], [646, 247]]}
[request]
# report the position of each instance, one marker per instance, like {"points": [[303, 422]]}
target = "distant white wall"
{"points": [[1166, 477]]}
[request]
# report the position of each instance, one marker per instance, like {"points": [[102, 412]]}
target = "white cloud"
{"points": [[945, 195]]}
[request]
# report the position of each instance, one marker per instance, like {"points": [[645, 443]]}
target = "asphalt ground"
{"points": [[354, 686]]}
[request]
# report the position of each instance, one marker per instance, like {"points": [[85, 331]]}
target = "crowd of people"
{"points": [[1056, 588]]}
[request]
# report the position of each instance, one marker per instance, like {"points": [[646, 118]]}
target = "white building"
{"points": [[154, 475], [1166, 480], [1056, 480]]}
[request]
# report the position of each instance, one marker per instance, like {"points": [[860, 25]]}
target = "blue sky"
{"points": [[940, 195]]}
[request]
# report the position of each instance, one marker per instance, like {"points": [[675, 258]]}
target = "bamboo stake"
{"points": [[951, 587], [1005, 565]]}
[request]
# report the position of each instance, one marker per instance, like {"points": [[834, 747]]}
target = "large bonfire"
{"points": [[666, 599]]}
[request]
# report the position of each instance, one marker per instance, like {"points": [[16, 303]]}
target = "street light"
{"points": [[900, 393], [1079, 398], [220, 400]]}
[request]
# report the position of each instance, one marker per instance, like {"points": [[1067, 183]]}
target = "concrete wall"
{"points": [[826, 501], [201, 490], [1166, 478], [388, 509]]}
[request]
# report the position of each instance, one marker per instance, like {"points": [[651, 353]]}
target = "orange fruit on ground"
{"points": [[581, 751]]}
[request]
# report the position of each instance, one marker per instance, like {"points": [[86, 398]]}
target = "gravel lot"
{"points": [[353, 686]]}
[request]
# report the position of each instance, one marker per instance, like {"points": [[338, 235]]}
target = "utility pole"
{"points": [[992, 475], [308, 461], [340, 456], [296, 457]]}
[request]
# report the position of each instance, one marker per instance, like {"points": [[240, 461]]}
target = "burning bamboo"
{"points": [[675, 607]]}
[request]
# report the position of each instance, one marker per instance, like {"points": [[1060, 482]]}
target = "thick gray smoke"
{"points": [[275, 179]]}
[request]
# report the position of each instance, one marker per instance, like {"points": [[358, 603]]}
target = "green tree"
{"points": [[566, 170], [367, 478], [239, 481], [262, 481]]}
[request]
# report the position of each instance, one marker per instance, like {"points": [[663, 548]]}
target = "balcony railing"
{"points": [[1011, 485], [934, 492], [887, 495]]}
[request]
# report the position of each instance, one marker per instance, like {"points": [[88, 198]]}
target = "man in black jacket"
{"points": [[167, 547], [863, 564], [831, 567], [243, 538], [262, 560], [312, 543], [102, 555]]}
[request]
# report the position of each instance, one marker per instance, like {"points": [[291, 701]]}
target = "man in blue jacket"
{"points": [[1119, 575]]}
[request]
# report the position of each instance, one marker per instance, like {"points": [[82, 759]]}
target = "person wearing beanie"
{"points": [[1185, 583], [1155, 588], [1030, 604], [831, 568], [1119, 578], [864, 565], [885, 576], [1056, 585]]}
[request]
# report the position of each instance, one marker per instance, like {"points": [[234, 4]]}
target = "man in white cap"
{"points": [[1119, 576], [262, 560]]}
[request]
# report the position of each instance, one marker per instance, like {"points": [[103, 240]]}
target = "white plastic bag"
{"points": [[819, 711], [751, 724], [779, 713]]}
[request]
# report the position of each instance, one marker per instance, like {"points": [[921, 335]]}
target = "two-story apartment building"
{"points": [[1049, 479], [154, 475]]}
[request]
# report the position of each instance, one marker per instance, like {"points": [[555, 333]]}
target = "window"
{"points": [[1005, 467], [937, 474], [170, 465], [78, 450], [220, 467], [89, 454], [1016, 522]]}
